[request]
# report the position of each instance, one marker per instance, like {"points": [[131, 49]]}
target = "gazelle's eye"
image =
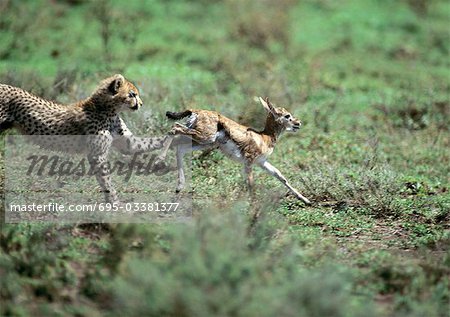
{"points": [[287, 116]]}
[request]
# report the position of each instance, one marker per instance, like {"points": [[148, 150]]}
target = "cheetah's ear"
{"points": [[116, 83]]}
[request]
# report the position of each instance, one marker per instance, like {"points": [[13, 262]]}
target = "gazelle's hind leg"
{"points": [[272, 170], [182, 150], [167, 143], [248, 173], [160, 159], [181, 130], [177, 129]]}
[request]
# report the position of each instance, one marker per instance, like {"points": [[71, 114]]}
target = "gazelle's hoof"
{"points": [[178, 190], [305, 200], [302, 198]]}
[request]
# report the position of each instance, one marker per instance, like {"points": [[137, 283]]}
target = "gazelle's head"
{"points": [[283, 118]]}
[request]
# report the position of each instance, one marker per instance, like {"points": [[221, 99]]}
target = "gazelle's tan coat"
{"points": [[210, 129]]}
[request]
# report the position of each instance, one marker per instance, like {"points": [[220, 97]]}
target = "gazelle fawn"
{"points": [[212, 130]]}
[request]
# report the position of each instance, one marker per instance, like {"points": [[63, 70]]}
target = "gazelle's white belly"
{"points": [[229, 147]]}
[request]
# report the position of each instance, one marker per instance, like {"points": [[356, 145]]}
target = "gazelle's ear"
{"points": [[116, 83], [267, 105]]}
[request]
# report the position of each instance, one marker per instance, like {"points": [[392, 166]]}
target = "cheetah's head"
{"points": [[118, 93]]}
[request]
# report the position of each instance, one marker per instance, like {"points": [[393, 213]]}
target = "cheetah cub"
{"points": [[212, 130], [95, 118]]}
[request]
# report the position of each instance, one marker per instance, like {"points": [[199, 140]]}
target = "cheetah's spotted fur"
{"points": [[95, 118]]}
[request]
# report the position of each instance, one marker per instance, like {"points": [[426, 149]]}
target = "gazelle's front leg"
{"points": [[272, 170]]}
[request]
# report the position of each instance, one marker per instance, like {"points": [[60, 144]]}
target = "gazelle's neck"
{"points": [[272, 129]]}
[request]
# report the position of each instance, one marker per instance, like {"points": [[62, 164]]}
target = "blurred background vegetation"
{"points": [[370, 80]]}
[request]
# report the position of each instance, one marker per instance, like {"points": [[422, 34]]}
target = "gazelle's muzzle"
{"points": [[296, 125]]}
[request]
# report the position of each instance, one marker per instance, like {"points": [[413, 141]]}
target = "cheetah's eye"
{"points": [[287, 116], [132, 94]]}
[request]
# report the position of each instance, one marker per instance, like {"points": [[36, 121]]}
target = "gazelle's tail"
{"points": [[178, 115]]}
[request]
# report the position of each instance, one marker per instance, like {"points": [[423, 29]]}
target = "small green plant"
{"points": [[212, 270]]}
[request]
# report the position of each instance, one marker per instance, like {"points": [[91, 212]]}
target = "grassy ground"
{"points": [[370, 81]]}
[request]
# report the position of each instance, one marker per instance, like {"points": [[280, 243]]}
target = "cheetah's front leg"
{"points": [[130, 144], [102, 172]]}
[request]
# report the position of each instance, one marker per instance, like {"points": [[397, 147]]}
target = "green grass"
{"points": [[370, 81]]}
